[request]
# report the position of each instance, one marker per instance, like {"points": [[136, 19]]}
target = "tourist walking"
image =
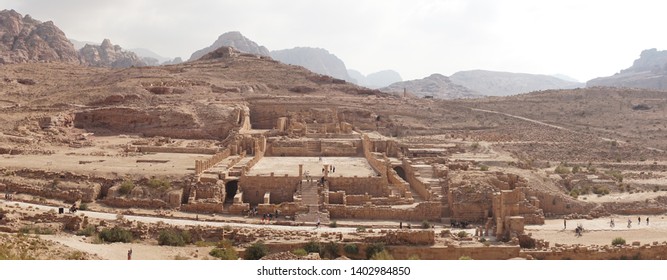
{"points": [[629, 223], [647, 221], [639, 220], [564, 223]]}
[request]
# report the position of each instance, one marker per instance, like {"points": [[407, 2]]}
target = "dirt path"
{"points": [[599, 232]]}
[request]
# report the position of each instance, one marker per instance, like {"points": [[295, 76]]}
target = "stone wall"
{"points": [[654, 251], [455, 252], [182, 150], [359, 199], [122, 202], [203, 165], [403, 237], [282, 188], [337, 197], [423, 211], [378, 166], [415, 182], [202, 207], [375, 186], [66, 191]]}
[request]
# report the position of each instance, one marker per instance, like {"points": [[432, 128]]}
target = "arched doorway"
{"points": [[401, 172], [231, 188]]}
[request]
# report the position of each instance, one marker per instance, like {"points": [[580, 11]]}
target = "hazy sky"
{"points": [[582, 39]]}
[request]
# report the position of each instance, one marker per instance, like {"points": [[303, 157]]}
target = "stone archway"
{"points": [[231, 188], [401, 172]]}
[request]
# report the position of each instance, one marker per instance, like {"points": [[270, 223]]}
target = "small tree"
{"points": [[351, 249], [312, 247], [256, 251], [373, 249]]}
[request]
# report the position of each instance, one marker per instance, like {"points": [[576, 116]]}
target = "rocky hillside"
{"points": [[232, 39], [375, 80], [436, 86], [495, 83], [109, 55], [24, 39], [648, 71], [314, 59]]}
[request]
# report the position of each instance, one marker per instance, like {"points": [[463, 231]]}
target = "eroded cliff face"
{"points": [[24, 39], [199, 121]]}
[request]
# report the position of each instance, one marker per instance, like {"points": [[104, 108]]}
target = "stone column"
{"points": [[301, 171]]}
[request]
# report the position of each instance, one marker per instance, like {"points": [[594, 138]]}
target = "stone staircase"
{"points": [[311, 198]]}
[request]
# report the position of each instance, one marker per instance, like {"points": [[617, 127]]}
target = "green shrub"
{"points": [[83, 206], [414, 258], [159, 184], [89, 230], [562, 169], [465, 258], [77, 255], [171, 237], [618, 176], [475, 146], [126, 187], [600, 190], [618, 241], [382, 255], [224, 251], [574, 193], [36, 230], [115, 234], [256, 251], [300, 252], [576, 169], [333, 224], [330, 250], [462, 234], [351, 249], [426, 224], [312, 247], [484, 167], [373, 249]]}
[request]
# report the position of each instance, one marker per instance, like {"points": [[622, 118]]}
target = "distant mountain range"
{"points": [[493, 83], [375, 80], [24, 39], [314, 59], [434, 86], [648, 71]]}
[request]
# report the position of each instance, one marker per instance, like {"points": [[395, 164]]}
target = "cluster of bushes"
{"points": [[36, 230], [172, 237], [159, 184], [224, 250], [115, 234]]}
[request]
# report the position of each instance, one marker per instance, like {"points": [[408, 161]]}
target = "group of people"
{"points": [[639, 221], [332, 169], [267, 217]]}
